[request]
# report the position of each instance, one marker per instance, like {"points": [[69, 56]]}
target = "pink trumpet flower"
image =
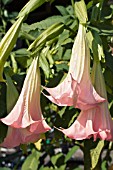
{"points": [[15, 137], [27, 112], [76, 89], [95, 122]]}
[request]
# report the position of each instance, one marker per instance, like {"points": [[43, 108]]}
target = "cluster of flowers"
{"points": [[25, 121]]}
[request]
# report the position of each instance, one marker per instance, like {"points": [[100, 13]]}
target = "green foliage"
{"points": [[32, 161], [71, 152], [30, 6], [52, 39]]}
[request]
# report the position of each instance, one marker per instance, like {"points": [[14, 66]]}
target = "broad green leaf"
{"points": [[62, 10], [71, 152], [5, 2], [22, 56], [12, 93], [81, 11], [98, 43], [3, 131], [58, 56], [61, 66], [4, 168], [62, 167], [32, 161], [30, 6], [103, 166], [63, 37], [8, 42], [47, 35], [95, 13], [44, 24], [77, 169], [3, 110], [109, 81], [43, 63], [55, 158], [22, 51], [95, 153], [67, 54], [95, 45], [46, 168], [109, 61]]}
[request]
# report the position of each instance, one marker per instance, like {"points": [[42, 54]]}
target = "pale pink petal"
{"points": [[76, 89], [95, 122], [27, 111], [64, 94], [15, 137]]}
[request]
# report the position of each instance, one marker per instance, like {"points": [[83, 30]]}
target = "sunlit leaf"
{"points": [[71, 152], [8, 42], [32, 161]]}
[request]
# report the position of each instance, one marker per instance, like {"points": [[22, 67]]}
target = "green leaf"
{"points": [[47, 35], [3, 131], [62, 111], [61, 66], [95, 153], [3, 110], [109, 61], [32, 161], [103, 166], [81, 11], [70, 10], [12, 93], [55, 158], [62, 10], [4, 168], [44, 24], [5, 2], [71, 152], [8, 42], [67, 54], [62, 167], [108, 73], [30, 6], [95, 13], [43, 63], [22, 56], [95, 45]]}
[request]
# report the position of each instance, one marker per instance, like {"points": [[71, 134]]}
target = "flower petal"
{"points": [[27, 111], [76, 89], [15, 137], [92, 123]]}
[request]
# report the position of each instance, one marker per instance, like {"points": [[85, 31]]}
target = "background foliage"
{"points": [[55, 151]]}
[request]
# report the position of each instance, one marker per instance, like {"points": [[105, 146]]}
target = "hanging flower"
{"points": [[76, 89], [95, 122], [15, 137], [27, 112]]}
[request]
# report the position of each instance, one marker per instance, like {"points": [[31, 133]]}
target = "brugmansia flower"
{"points": [[76, 89], [96, 121], [15, 137], [26, 117]]}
